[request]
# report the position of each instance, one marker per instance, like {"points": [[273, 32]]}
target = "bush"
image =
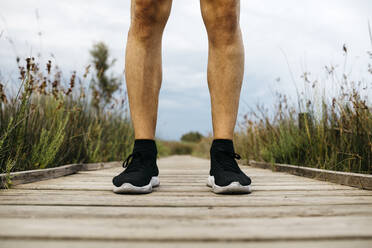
{"points": [[179, 148], [202, 148], [192, 137]]}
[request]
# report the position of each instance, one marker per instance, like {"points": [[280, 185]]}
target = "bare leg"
{"points": [[143, 64], [225, 63]]}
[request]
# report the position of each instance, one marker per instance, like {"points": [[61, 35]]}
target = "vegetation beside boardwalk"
{"points": [[52, 122], [324, 129], [191, 143]]}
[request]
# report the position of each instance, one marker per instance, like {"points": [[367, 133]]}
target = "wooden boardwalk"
{"points": [[284, 210]]}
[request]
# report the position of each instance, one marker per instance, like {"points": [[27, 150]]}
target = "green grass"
{"points": [[47, 125], [331, 130]]}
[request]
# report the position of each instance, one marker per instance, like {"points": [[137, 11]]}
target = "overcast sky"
{"points": [[310, 33]]}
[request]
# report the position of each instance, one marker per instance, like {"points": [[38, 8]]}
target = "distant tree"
{"points": [[192, 137], [103, 86]]}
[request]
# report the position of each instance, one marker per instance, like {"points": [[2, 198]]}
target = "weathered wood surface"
{"points": [[30, 176], [283, 211], [361, 181], [37, 175]]}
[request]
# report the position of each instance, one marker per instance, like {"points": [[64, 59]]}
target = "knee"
{"points": [[149, 17], [221, 19]]}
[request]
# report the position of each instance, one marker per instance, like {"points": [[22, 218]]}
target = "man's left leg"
{"points": [[225, 75]]}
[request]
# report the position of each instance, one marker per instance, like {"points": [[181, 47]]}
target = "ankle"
{"points": [[145, 145], [224, 144]]}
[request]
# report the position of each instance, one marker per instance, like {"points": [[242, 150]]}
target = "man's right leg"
{"points": [[143, 69], [143, 73]]}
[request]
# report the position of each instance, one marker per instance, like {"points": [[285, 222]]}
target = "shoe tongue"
{"points": [[141, 159], [222, 151]]}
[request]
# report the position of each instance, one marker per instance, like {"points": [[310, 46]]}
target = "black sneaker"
{"points": [[141, 173], [225, 176]]}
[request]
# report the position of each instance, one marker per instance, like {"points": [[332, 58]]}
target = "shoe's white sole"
{"points": [[232, 188], [128, 188]]}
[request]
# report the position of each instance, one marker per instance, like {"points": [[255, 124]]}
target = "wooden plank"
{"points": [[361, 181], [100, 166], [195, 183], [109, 212], [344, 243], [206, 193], [37, 175], [200, 181], [178, 188], [30, 176], [199, 177], [128, 229], [184, 178], [177, 201]]}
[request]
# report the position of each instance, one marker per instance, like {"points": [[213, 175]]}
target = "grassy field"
{"points": [[329, 126], [50, 122], [322, 128], [198, 149]]}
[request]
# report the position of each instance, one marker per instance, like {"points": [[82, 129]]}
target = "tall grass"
{"points": [[323, 129], [50, 122]]}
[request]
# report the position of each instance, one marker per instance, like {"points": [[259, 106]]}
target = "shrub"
{"points": [[192, 137]]}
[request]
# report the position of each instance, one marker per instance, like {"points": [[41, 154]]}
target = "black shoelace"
{"points": [[129, 160], [229, 165]]}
